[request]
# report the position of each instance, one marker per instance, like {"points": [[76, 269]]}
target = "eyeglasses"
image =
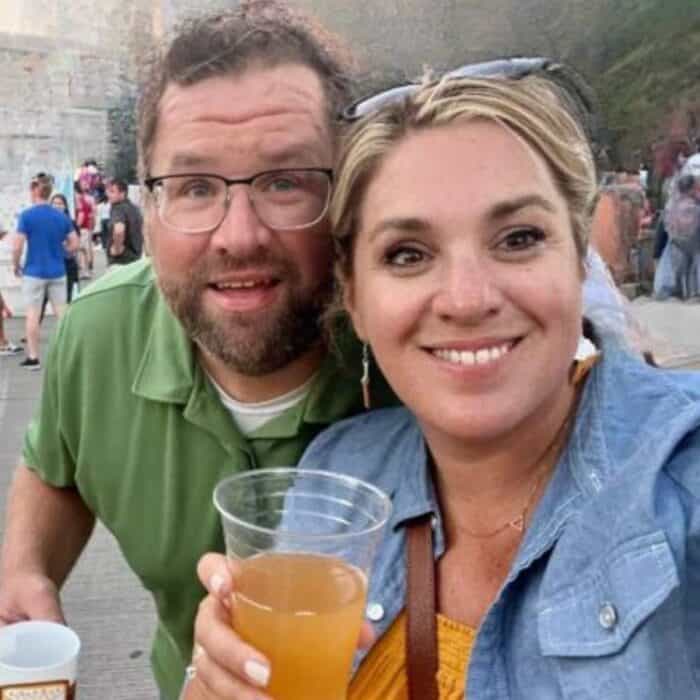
{"points": [[282, 199], [573, 88]]}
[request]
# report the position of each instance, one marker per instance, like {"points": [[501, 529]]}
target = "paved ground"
{"points": [[103, 599], [673, 327]]}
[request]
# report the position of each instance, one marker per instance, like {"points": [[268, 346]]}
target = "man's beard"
{"points": [[258, 343]]}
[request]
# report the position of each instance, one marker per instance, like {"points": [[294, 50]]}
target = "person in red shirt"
{"points": [[85, 218]]}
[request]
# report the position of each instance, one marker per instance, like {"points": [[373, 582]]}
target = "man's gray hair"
{"points": [[263, 32]]}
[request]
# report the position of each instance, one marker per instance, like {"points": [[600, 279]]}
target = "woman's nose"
{"points": [[467, 293]]}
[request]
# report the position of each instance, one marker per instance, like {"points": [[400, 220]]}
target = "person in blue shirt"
{"points": [[48, 234], [561, 498]]}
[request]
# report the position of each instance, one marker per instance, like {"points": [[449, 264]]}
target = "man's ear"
{"points": [[351, 308], [148, 215]]}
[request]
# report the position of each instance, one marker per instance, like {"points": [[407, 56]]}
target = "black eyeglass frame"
{"points": [[151, 182]]}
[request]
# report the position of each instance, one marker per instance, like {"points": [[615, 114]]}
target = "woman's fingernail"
{"points": [[257, 672], [216, 584]]}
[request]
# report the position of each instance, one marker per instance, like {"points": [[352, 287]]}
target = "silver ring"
{"points": [[190, 672]]}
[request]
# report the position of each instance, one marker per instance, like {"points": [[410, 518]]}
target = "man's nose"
{"points": [[467, 292], [242, 230]]}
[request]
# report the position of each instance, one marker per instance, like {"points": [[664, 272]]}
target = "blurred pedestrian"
{"points": [[102, 218], [676, 273], [85, 218], [125, 242], [6, 347], [47, 233], [58, 201]]}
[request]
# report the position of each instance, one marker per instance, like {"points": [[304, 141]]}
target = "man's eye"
{"points": [[521, 239], [282, 184], [196, 189], [404, 257]]}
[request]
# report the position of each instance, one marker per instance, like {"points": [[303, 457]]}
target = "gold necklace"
{"points": [[518, 522]]}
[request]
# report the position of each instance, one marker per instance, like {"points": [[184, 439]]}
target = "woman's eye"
{"points": [[521, 239], [404, 257]]}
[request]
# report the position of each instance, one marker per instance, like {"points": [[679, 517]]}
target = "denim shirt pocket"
{"points": [[597, 632]]}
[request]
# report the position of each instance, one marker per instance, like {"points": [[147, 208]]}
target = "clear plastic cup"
{"points": [[301, 544]]}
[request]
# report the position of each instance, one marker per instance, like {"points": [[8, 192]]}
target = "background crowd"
{"points": [[55, 242]]}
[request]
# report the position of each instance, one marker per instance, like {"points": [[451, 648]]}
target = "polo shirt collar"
{"points": [[169, 372], [167, 368], [333, 395]]}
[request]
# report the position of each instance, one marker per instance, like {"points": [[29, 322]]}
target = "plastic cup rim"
{"points": [[74, 638], [350, 481]]}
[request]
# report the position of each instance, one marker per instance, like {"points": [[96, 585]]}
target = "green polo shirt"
{"points": [[129, 419]]}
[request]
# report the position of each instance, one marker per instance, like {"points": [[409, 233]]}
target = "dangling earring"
{"points": [[364, 381]]}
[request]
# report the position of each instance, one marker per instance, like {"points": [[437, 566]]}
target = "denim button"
{"points": [[607, 616], [375, 612]]}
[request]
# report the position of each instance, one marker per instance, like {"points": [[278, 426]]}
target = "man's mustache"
{"points": [[262, 260]]}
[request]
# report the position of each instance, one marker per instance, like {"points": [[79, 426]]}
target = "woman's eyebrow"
{"points": [[408, 224], [507, 208]]}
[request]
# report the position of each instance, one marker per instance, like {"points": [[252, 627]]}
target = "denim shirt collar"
{"points": [[417, 495], [596, 451], [606, 438]]}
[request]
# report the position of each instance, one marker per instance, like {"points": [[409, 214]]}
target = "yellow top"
{"points": [[382, 675]]}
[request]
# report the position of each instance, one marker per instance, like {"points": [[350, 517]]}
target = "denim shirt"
{"points": [[602, 601]]}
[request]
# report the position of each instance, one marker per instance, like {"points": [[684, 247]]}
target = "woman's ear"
{"points": [[351, 308]]}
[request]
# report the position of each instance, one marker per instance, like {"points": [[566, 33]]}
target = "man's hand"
{"points": [[17, 250], [29, 597]]}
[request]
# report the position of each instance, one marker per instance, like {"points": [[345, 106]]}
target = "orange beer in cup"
{"points": [[301, 544]]}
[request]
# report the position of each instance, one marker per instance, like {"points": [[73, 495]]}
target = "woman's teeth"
{"points": [[480, 357]]}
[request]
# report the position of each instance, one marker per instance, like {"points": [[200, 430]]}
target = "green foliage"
{"points": [[654, 77]]}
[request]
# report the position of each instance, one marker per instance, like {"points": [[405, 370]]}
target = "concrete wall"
{"points": [[63, 66]]}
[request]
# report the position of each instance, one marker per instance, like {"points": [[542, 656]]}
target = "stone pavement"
{"points": [[104, 601], [673, 329]]}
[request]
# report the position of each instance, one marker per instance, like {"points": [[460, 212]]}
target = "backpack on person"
{"points": [[682, 221]]}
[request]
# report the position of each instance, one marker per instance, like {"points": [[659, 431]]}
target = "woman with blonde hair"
{"points": [[545, 540]]}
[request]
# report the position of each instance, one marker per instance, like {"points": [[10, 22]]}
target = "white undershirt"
{"points": [[250, 416]]}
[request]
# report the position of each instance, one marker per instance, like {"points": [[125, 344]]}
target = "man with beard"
{"points": [[170, 374]]}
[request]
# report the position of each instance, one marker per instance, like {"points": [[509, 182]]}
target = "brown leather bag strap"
{"points": [[421, 634]]}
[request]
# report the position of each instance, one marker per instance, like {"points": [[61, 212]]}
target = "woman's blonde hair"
{"points": [[531, 108]]}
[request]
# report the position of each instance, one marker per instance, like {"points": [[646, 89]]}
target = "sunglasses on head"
{"points": [[574, 89]]}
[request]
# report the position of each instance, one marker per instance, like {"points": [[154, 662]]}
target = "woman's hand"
{"points": [[226, 667]]}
